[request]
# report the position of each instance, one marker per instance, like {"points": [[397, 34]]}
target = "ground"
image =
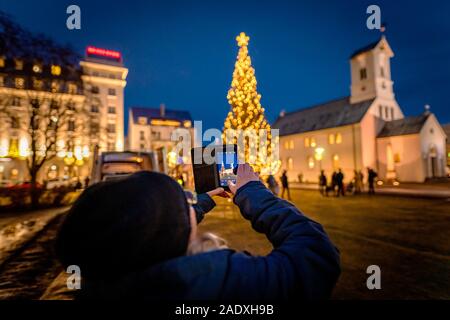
{"points": [[407, 238]]}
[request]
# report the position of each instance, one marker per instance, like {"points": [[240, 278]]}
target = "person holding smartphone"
{"points": [[138, 238]]}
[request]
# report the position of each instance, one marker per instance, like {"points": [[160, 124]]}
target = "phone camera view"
{"points": [[227, 163]]}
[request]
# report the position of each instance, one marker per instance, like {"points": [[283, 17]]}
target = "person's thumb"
{"points": [[232, 186]]}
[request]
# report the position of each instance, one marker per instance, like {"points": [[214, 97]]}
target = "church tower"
{"points": [[371, 72]]}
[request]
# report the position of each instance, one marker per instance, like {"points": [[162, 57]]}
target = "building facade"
{"points": [[76, 104], [366, 129]]}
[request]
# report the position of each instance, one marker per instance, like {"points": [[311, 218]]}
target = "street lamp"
{"points": [[318, 154]]}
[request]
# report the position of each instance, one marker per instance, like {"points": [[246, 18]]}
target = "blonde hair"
{"points": [[206, 242]]}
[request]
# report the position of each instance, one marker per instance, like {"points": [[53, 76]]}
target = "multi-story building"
{"points": [[366, 129], [150, 129], [56, 107]]}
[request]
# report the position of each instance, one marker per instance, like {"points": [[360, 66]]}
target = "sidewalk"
{"points": [[439, 191]]}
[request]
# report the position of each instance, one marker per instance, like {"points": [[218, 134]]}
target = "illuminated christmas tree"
{"points": [[247, 113]]}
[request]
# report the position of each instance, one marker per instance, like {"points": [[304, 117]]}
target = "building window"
{"points": [[112, 109], [392, 113], [111, 146], [111, 92], [290, 164], [16, 102], [18, 64], [55, 86], [55, 70], [2, 62], [382, 72], [335, 162], [94, 108], [95, 90], [20, 83], [2, 81], [142, 146], [71, 88], [331, 138], [383, 85], [71, 125], [386, 112], [291, 144], [380, 111], [311, 163], [307, 142], [142, 120], [71, 106], [313, 143], [142, 135], [94, 128], [156, 135], [338, 138], [38, 84], [363, 73], [37, 68], [111, 128], [15, 123]]}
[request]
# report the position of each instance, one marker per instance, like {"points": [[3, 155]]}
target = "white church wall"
{"points": [[408, 164], [432, 135]]}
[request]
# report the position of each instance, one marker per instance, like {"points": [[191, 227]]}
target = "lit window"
{"points": [[56, 70], [20, 83], [313, 143], [2, 81], [37, 84], [55, 86], [397, 157], [331, 138], [335, 162], [112, 109], [19, 64], [291, 144], [187, 124], [338, 138], [311, 162], [142, 120], [71, 88], [307, 142], [290, 164], [286, 145], [2, 62], [37, 68]]}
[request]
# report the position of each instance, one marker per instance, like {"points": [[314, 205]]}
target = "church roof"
{"points": [[155, 113], [400, 127], [335, 113], [365, 49]]}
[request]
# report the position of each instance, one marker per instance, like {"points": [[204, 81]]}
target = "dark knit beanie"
{"points": [[126, 225]]}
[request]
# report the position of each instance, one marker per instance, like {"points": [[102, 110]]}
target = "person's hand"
{"points": [[218, 192], [245, 174]]}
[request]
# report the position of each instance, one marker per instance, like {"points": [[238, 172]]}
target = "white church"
{"points": [[366, 129]]}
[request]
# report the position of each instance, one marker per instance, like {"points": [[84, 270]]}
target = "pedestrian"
{"points": [[334, 182], [273, 185], [340, 183], [285, 185], [323, 183], [371, 176], [86, 182], [137, 238]]}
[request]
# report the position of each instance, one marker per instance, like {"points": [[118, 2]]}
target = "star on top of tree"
{"points": [[242, 39]]}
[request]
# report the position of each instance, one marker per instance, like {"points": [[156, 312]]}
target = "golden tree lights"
{"points": [[247, 114]]}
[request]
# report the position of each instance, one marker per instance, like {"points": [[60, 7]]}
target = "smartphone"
{"points": [[219, 168]]}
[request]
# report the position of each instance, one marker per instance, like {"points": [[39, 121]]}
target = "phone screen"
{"points": [[227, 163]]}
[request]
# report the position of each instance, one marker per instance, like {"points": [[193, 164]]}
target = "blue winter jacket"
{"points": [[303, 263]]}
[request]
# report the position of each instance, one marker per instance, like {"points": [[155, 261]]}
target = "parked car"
{"points": [[25, 185]]}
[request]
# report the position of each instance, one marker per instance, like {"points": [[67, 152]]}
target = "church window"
{"points": [[313, 143], [363, 73], [382, 72], [335, 162], [386, 112], [380, 111], [291, 144], [338, 138], [383, 85], [290, 164], [392, 113], [331, 138], [311, 162], [307, 142]]}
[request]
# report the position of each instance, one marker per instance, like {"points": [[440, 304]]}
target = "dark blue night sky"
{"points": [[182, 53]]}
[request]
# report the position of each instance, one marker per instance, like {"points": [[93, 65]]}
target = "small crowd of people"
{"points": [[356, 186]]}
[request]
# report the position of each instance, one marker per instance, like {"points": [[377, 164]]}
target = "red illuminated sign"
{"points": [[93, 51]]}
